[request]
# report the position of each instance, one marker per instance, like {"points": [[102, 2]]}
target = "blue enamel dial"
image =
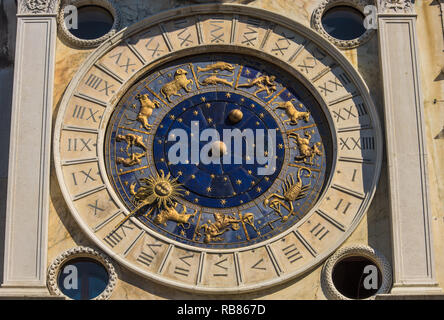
{"points": [[170, 113]]}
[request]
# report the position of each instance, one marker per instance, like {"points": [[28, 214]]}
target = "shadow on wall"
{"points": [[7, 44]]}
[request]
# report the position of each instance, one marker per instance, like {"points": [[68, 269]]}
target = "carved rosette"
{"points": [[79, 252], [38, 6], [325, 5], [395, 6], [361, 250]]}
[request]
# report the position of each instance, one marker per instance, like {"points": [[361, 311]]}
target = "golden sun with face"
{"points": [[158, 189]]}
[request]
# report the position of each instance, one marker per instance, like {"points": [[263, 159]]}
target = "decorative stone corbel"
{"points": [[395, 6], [31, 7]]}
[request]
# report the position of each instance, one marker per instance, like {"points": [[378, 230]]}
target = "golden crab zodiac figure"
{"points": [[292, 191], [307, 153]]}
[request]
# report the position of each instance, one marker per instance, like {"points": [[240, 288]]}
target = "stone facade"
{"points": [[374, 230]]}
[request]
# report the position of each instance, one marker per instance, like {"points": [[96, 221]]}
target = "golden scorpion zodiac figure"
{"points": [[292, 191], [305, 151]]}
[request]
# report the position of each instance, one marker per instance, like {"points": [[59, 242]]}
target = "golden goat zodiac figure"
{"points": [[170, 213], [305, 150], [223, 223], [131, 140], [146, 110], [292, 191], [292, 113], [180, 82], [263, 83]]}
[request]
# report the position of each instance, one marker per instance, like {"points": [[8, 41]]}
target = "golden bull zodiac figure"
{"points": [[223, 223], [146, 110], [180, 82], [292, 113], [263, 83], [171, 214], [292, 191], [306, 152]]}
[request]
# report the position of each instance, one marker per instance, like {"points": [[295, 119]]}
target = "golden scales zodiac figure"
{"points": [[292, 191]]}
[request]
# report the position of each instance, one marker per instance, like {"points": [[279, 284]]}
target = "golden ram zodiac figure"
{"points": [[292, 191], [171, 214], [263, 83], [306, 152], [223, 223], [292, 113], [180, 82]]}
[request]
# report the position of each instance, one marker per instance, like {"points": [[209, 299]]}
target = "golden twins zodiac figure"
{"points": [[292, 191]]}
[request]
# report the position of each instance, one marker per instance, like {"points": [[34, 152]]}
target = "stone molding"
{"points": [[81, 252], [109, 5], [325, 5], [355, 250], [395, 6], [32, 7]]}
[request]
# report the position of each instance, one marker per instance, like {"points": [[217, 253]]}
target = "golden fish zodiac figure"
{"points": [[180, 82], [171, 214], [292, 191], [223, 223], [147, 107], [213, 80], [263, 83], [220, 65], [307, 153], [292, 113]]}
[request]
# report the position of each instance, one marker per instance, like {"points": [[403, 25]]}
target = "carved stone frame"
{"points": [[109, 5], [325, 5], [327, 284], [81, 252]]}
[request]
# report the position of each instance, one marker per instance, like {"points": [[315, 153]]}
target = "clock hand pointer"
{"points": [[131, 214]]}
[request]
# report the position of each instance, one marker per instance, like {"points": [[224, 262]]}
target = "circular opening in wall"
{"points": [[357, 277], [344, 22], [82, 278], [93, 22]]}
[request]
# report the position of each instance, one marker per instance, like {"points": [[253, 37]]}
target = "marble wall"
{"points": [[374, 229]]}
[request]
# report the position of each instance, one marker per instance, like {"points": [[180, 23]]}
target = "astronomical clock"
{"points": [[150, 106]]}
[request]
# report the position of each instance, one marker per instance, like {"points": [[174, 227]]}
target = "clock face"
{"points": [[220, 159], [234, 199]]}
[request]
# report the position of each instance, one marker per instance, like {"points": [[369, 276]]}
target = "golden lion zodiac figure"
{"points": [[223, 223], [180, 82], [306, 152], [170, 213], [263, 83], [292, 191], [292, 113]]}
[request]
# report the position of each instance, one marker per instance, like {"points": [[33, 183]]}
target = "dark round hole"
{"points": [[93, 22], [82, 279], [356, 277], [344, 22]]}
